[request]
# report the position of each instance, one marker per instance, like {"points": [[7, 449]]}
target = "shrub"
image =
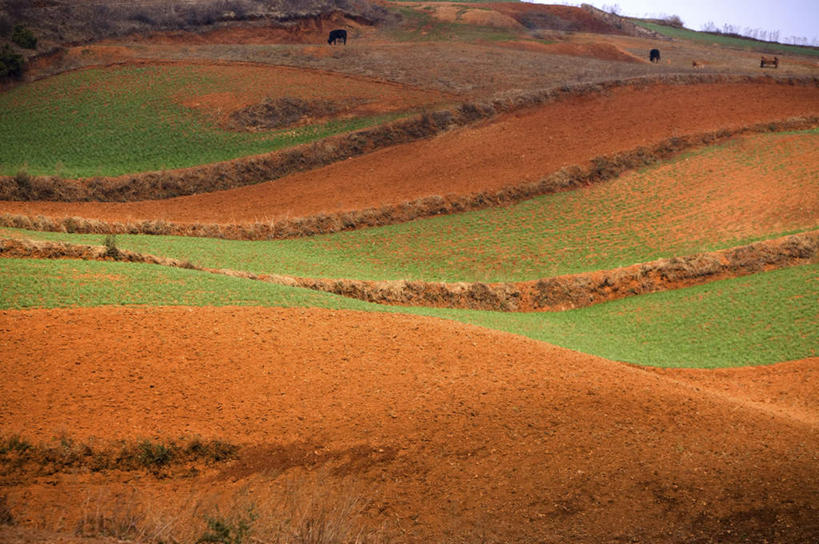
{"points": [[23, 37], [111, 249], [154, 455], [11, 63]]}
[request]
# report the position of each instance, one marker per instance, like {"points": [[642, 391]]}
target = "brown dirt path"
{"points": [[461, 433], [523, 146]]}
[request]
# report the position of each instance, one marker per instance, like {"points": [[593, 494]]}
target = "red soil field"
{"points": [[247, 84], [451, 431], [518, 147]]}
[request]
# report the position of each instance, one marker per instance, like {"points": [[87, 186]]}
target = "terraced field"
{"points": [[752, 188], [208, 398], [133, 118]]}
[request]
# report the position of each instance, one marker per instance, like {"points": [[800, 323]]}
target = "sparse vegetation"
{"points": [[283, 112], [225, 531], [419, 25], [66, 20], [19, 457]]}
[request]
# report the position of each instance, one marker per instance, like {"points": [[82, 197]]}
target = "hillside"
{"points": [[484, 273]]}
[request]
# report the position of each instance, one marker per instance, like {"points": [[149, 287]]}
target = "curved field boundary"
{"points": [[550, 294], [270, 166], [601, 169]]}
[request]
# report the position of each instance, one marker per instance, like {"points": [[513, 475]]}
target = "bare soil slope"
{"points": [[518, 147], [453, 432]]}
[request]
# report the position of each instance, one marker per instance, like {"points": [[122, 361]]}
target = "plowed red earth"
{"points": [[455, 433], [516, 147]]}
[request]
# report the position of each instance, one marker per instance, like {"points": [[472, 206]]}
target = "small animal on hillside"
{"points": [[697, 64], [766, 61], [337, 35], [654, 55]]}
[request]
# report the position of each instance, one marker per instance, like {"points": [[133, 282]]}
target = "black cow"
{"points": [[337, 35], [654, 55]]}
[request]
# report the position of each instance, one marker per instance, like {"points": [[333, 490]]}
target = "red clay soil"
{"points": [[523, 146], [451, 432], [555, 17], [788, 388]]}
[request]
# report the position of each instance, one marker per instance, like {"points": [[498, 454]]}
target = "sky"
{"points": [[790, 17]]}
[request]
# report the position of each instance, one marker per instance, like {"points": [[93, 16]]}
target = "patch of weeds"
{"points": [[226, 531], [213, 451], [14, 444], [18, 456], [150, 455]]}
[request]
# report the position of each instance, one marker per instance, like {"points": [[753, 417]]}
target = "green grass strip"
{"points": [[754, 320], [102, 122], [726, 41], [29, 283]]}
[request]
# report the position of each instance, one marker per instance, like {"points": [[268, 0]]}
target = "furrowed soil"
{"points": [[514, 148], [445, 432]]}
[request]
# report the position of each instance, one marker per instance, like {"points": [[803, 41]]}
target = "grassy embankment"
{"points": [[107, 122], [695, 203], [727, 41], [760, 319]]}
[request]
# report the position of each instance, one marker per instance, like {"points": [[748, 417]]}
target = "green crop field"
{"points": [[760, 319], [682, 207], [106, 122]]}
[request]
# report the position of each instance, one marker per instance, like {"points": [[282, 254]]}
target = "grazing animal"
{"points": [[336, 35], [769, 62], [697, 63], [654, 55]]}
